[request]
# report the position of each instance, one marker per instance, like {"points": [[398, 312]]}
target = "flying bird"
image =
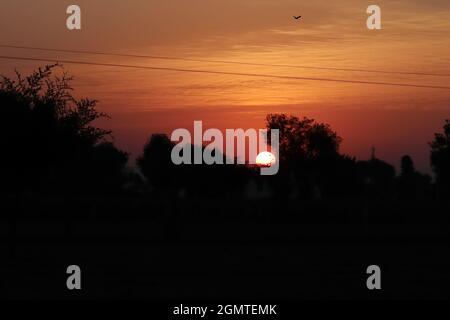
{"points": [[296, 18]]}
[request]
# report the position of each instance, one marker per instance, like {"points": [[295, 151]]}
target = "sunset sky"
{"points": [[415, 37]]}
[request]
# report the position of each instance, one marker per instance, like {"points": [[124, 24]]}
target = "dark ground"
{"points": [[173, 251]]}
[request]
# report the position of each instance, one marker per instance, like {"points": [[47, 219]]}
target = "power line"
{"points": [[222, 72], [225, 61]]}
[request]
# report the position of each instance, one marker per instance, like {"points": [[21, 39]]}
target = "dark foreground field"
{"points": [[175, 254]]}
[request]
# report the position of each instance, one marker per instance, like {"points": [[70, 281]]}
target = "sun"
{"points": [[265, 159]]}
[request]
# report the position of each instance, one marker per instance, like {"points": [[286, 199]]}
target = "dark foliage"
{"points": [[440, 159], [48, 140]]}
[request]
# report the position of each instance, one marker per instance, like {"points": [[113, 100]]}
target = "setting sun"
{"points": [[265, 159]]}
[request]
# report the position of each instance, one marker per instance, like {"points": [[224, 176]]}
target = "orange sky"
{"points": [[397, 120]]}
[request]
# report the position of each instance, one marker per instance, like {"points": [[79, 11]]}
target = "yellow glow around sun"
{"points": [[265, 159]]}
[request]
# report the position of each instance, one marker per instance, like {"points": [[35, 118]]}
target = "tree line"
{"points": [[50, 145]]}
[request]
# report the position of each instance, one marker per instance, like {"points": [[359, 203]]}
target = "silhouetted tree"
{"points": [[407, 166], [156, 163], [187, 179], [440, 159], [303, 139], [310, 159], [48, 136]]}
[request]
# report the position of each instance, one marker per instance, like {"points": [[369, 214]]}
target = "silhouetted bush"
{"points": [[48, 141]]}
